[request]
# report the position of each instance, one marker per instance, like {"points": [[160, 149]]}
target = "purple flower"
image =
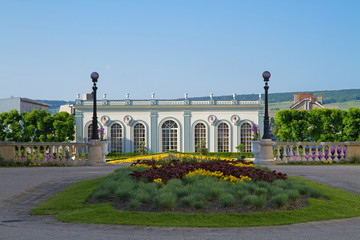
{"points": [[254, 128]]}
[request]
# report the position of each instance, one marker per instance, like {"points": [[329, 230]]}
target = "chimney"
{"points": [[319, 98], [296, 97]]}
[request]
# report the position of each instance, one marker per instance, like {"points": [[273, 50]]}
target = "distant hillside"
{"points": [[55, 104]]}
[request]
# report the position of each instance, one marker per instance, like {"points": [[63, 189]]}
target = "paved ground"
{"points": [[23, 188]]}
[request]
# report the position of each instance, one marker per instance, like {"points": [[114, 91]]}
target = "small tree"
{"points": [[142, 150], [201, 147], [241, 149]]}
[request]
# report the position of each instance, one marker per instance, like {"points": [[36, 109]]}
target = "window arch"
{"points": [[89, 131], [245, 133], [199, 135], [169, 131], [139, 135], [223, 137], [116, 138]]}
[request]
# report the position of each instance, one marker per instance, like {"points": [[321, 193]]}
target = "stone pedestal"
{"points": [[95, 154], [256, 149], [266, 156], [104, 150]]}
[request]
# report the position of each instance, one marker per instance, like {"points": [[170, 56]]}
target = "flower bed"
{"points": [[193, 185], [163, 156], [236, 169]]}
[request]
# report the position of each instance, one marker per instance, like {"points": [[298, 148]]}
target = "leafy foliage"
{"points": [[37, 126], [318, 125]]}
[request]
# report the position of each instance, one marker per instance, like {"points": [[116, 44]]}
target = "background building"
{"points": [[21, 105], [171, 124], [306, 101]]}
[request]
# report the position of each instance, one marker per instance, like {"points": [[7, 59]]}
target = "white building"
{"points": [[170, 124], [21, 105]]}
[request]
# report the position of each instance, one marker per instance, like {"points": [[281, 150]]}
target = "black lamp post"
{"points": [[266, 75], [95, 135]]}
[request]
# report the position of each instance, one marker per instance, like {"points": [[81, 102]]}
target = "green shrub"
{"points": [[258, 203], [109, 185], [215, 192], [280, 200], [249, 199], [151, 188], [241, 193], [261, 192], [125, 190], [250, 187], [303, 189], [280, 183], [166, 200], [314, 193], [263, 184], [274, 190], [134, 203], [227, 200], [142, 196], [293, 194], [194, 200], [101, 193]]}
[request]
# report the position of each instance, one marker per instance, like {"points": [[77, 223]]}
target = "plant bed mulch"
{"points": [[210, 207]]}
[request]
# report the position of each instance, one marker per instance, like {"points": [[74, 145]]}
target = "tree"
{"points": [[292, 126], [352, 124], [63, 126], [201, 147], [37, 126], [12, 127]]}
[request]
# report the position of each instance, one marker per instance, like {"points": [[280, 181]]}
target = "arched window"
{"points": [[245, 133], [139, 135], [223, 137], [116, 138], [200, 135], [89, 131], [169, 136]]}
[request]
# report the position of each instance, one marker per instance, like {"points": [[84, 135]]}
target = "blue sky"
{"points": [[48, 49]]}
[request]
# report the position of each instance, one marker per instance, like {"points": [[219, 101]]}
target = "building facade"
{"points": [[170, 124], [21, 105]]}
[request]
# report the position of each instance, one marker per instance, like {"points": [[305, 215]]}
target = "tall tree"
{"points": [[352, 124]]}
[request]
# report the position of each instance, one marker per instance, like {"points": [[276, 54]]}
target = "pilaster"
{"points": [[154, 137], [79, 126], [187, 129]]}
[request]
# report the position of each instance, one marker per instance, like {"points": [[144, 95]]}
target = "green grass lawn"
{"points": [[69, 206]]}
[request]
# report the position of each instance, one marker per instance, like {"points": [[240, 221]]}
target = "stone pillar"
{"points": [[266, 156], [7, 151], [352, 150], [95, 155]]}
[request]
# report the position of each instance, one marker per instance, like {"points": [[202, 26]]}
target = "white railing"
{"points": [[285, 152], [45, 153], [165, 102]]}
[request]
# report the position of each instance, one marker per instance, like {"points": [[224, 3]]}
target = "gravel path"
{"points": [[23, 188]]}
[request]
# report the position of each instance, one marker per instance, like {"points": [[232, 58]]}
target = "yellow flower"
{"points": [[158, 180]]}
